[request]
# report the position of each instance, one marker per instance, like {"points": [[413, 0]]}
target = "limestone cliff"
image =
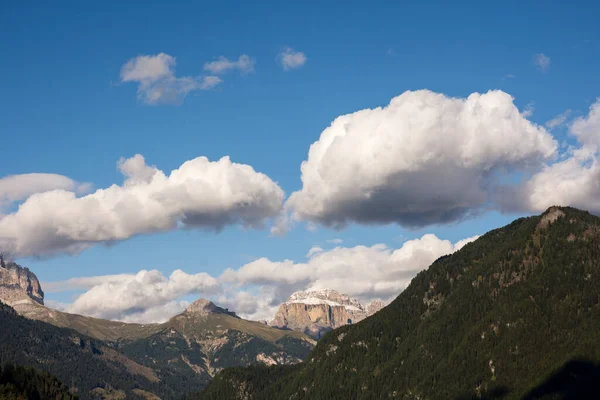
{"points": [[318, 311], [18, 284]]}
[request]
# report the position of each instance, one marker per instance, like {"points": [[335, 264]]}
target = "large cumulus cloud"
{"points": [[200, 193], [425, 158]]}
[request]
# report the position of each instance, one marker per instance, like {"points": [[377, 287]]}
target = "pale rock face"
{"points": [[18, 284], [318, 311], [374, 306]]}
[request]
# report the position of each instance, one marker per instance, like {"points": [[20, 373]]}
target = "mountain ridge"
{"points": [[496, 318], [191, 346]]}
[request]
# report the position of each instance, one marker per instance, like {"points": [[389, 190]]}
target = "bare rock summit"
{"points": [[316, 312], [18, 285]]}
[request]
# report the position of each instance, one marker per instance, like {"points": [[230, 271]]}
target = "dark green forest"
{"points": [[515, 314], [22, 383]]}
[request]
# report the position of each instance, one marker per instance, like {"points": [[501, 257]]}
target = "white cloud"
{"points": [[558, 120], [157, 83], [541, 61], [15, 188], [87, 282], [423, 159], [587, 129], [244, 64], [147, 296], [291, 59], [199, 194], [572, 181], [256, 289], [529, 110], [313, 250], [157, 314]]}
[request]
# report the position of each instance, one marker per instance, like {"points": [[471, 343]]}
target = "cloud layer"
{"points": [[157, 83], [256, 289], [423, 159], [199, 194]]}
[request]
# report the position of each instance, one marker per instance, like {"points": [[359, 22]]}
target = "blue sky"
{"points": [[66, 111]]}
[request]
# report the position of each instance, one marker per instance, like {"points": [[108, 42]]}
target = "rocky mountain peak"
{"points": [[18, 284], [315, 312], [203, 307]]}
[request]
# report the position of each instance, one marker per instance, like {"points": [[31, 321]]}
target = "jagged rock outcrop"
{"points": [[318, 311], [18, 284], [203, 307]]}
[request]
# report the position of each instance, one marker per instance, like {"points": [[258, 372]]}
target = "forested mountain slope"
{"points": [[24, 383], [501, 318]]}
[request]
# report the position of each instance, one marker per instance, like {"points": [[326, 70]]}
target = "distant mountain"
{"points": [[515, 314], [316, 312], [168, 359]]}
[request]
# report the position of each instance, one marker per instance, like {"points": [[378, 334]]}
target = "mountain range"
{"points": [[100, 358], [514, 314]]}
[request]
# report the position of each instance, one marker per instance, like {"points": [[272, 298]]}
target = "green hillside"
{"points": [[514, 314]]}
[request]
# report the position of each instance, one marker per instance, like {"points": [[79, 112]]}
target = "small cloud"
{"points": [[157, 83], [335, 241], [559, 120], [244, 64], [542, 62], [508, 76], [529, 109], [291, 59], [283, 224], [391, 52], [314, 250]]}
